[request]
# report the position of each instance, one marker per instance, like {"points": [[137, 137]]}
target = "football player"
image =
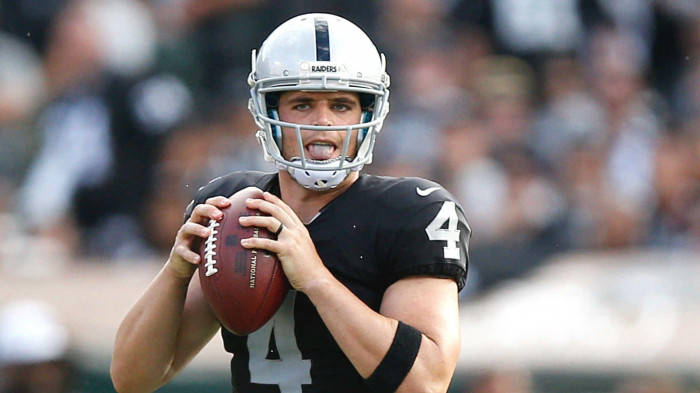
{"points": [[376, 263]]}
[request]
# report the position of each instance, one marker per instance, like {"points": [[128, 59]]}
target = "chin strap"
{"points": [[318, 180]]}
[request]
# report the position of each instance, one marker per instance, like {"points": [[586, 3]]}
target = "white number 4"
{"points": [[435, 230], [290, 371]]}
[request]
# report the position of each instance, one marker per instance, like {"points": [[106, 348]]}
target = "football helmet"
{"points": [[318, 52]]}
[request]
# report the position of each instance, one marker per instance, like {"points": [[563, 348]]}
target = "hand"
{"points": [[184, 259], [294, 247]]}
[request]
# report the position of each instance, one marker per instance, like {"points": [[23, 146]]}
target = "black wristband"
{"points": [[397, 362]]}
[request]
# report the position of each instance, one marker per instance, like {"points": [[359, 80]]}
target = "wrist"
{"points": [[181, 270], [318, 285]]}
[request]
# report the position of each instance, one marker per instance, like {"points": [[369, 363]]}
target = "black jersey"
{"points": [[380, 230]]}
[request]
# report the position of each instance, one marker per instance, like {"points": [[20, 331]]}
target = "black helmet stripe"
{"points": [[323, 50]]}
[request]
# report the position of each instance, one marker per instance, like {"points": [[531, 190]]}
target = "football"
{"points": [[244, 287]]}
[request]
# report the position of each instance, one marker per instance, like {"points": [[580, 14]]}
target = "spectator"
{"points": [[101, 129], [34, 350], [631, 136], [22, 89]]}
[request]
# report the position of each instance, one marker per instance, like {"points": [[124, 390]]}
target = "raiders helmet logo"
{"points": [[324, 68]]}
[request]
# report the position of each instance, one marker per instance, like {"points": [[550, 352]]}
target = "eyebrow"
{"points": [[306, 99], [344, 100]]}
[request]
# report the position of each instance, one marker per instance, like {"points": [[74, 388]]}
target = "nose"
{"points": [[322, 115]]}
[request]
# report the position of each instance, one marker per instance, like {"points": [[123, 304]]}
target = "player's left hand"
{"points": [[294, 247]]}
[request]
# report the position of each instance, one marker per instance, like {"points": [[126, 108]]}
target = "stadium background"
{"points": [[568, 129]]}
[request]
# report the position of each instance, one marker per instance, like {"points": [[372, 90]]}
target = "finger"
{"points": [[271, 209], [194, 229], [261, 243], [219, 201], [270, 197], [187, 254], [204, 212], [268, 222]]}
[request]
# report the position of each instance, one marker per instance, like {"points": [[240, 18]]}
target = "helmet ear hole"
{"points": [[367, 101], [272, 100]]}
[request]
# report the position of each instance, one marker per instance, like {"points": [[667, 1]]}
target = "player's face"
{"points": [[319, 109]]}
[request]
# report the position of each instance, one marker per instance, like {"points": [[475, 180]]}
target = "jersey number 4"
{"points": [[290, 371], [435, 230]]}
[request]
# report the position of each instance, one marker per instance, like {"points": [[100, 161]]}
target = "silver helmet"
{"points": [[318, 52]]}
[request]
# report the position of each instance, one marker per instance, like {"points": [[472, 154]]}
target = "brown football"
{"points": [[244, 287]]}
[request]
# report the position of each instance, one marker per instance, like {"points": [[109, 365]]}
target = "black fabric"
{"points": [[397, 362], [369, 237]]}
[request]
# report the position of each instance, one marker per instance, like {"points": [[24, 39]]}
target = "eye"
{"points": [[301, 107], [341, 107]]}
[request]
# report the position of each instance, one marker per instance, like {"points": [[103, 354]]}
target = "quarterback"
{"points": [[376, 263]]}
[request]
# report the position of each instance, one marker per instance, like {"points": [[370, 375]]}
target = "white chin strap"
{"points": [[319, 180]]}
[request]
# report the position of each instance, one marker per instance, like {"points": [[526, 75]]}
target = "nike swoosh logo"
{"points": [[427, 191]]}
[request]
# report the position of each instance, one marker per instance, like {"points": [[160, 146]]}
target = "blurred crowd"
{"points": [[35, 353], [559, 124]]}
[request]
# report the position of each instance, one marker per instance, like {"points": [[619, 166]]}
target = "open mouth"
{"points": [[321, 151]]}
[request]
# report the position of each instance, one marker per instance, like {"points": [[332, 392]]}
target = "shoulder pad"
{"points": [[414, 192]]}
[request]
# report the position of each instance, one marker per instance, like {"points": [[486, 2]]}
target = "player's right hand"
{"points": [[184, 258]]}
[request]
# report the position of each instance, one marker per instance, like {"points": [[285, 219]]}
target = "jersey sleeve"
{"points": [[429, 236], [227, 186], [204, 193]]}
